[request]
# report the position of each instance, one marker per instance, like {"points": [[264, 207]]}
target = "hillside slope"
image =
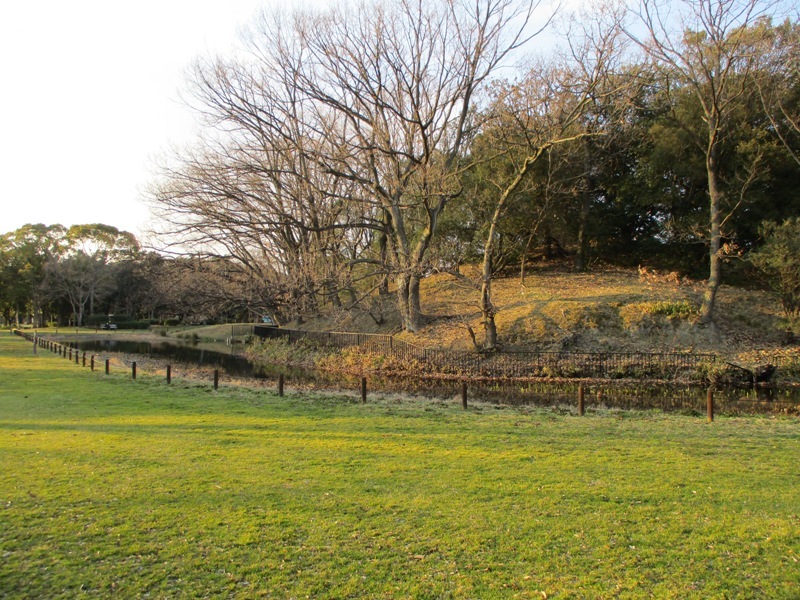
{"points": [[612, 311]]}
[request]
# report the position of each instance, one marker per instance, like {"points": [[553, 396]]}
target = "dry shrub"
{"points": [[652, 276]]}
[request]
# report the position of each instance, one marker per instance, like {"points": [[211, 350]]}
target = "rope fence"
{"points": [[594, 396], [95, 362]]}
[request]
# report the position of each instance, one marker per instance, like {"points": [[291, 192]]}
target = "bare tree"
{"points": [[204, 289], [256, 200], [707, 45], [380, 96], [552, 106], [777, 83]]}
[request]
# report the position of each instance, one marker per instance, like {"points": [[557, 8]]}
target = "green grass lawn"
{"points": [[138, 489]]}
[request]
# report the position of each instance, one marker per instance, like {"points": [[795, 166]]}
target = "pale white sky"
{"points": [[90, 96]]}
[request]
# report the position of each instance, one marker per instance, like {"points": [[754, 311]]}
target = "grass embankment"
{"points": [[605, 311], [112, 486]]}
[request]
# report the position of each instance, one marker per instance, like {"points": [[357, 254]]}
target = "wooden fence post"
{"points": [[84, 359], [364, 390], [464, 395], [107, 365], [169, 373], [216, 379], [133, 370], [710, 403], [92, 362], [280, 384]]}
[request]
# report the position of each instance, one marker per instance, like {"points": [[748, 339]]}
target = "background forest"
{"points": [[350, 154]]}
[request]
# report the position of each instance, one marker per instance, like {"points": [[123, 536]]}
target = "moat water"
{"points": [[606, 394]]}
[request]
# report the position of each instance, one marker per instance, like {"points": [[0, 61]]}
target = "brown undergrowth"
{"points": [[608, 311]]}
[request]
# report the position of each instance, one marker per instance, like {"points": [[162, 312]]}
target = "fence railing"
{"points": [[241, 329], [603, 365]]}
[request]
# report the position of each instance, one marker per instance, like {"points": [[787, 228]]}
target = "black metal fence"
{"points": [[604, 365]]}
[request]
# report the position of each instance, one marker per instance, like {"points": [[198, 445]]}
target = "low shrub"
{"points": [[647, 315], [719, 373]]}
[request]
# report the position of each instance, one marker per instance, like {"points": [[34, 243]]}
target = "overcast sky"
{"points": [[91, 94]]}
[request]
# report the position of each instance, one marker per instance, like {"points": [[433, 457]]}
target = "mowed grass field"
{"points": [[113, 487]]}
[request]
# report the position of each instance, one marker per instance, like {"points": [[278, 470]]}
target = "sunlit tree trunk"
{"points": [[715, 220]]}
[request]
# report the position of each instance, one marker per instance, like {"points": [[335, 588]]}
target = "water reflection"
{"points": [[606, 394]]}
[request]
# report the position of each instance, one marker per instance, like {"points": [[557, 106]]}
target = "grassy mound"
{"points": [[607, 311]]}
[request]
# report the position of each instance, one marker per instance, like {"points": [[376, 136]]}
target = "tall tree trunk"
{"points": [[414, 305], [487, 306], [715, 220], [402, 301], [408, 302], [411, 264], [487, 272]]}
